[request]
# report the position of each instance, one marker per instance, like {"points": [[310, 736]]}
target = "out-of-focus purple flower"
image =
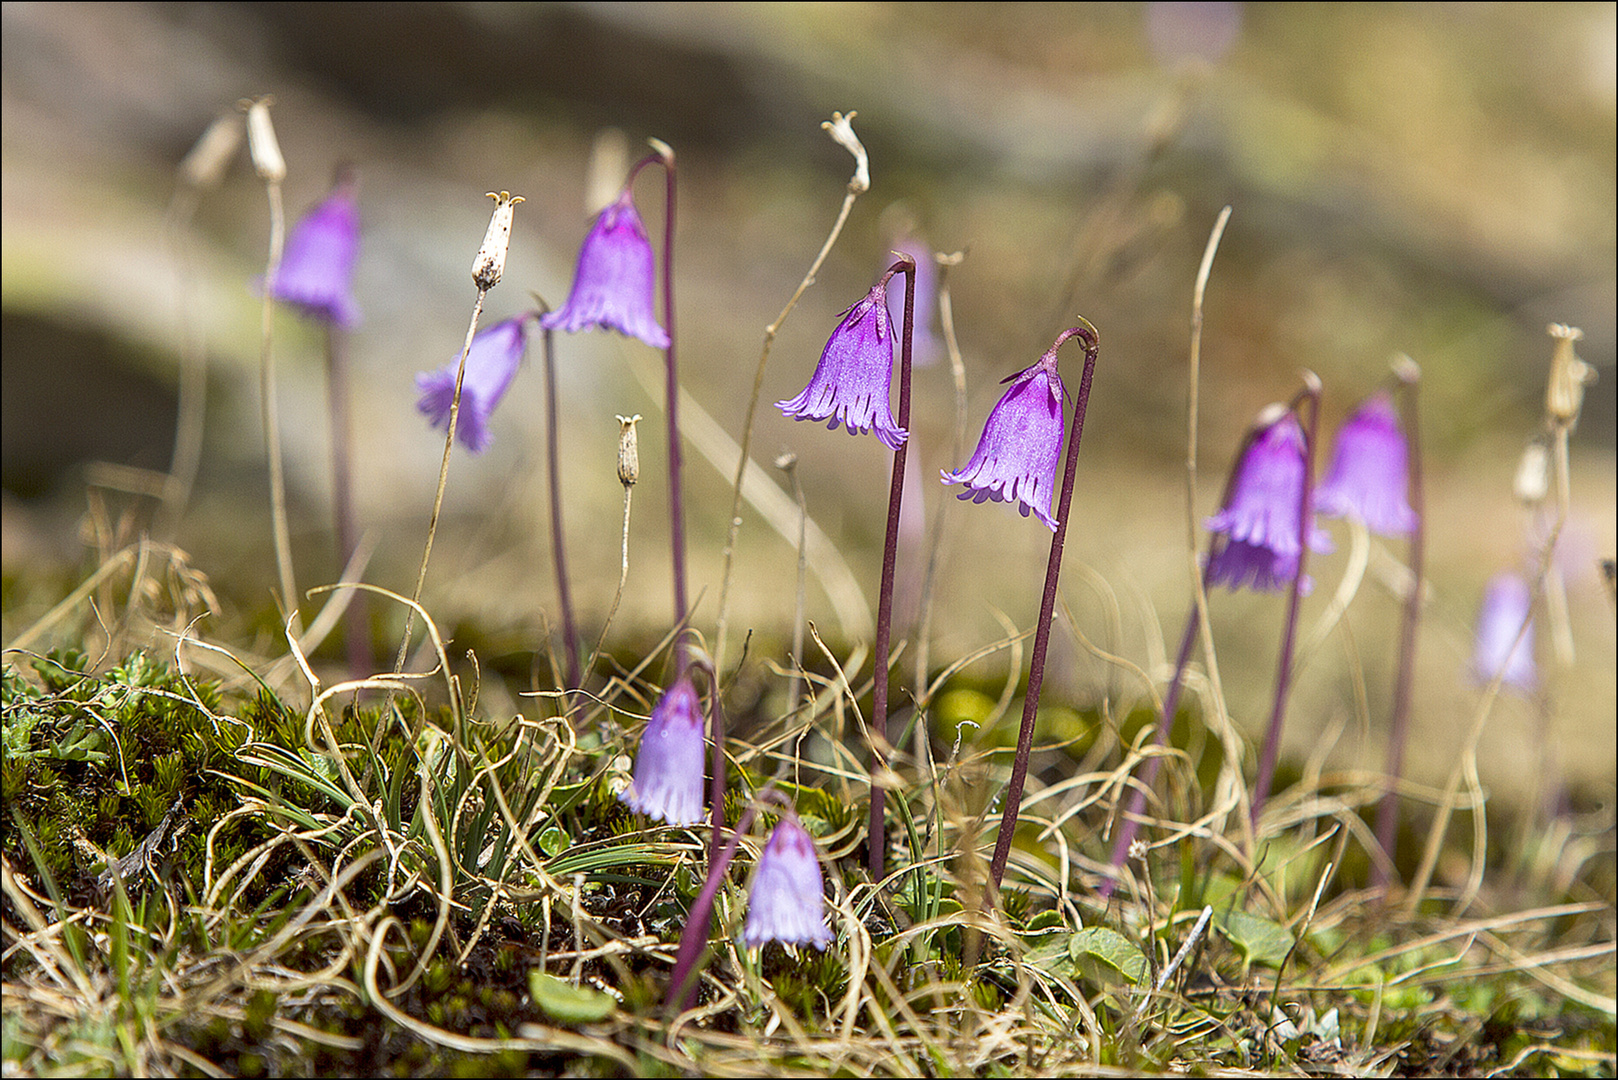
{"points": [[668, 769], [614, 283], [1369, 472], [925, 346], [1506, 605], [788, 901], [316, 273], [1256, 540], [491, 364], [852, 382], [1016, 458]]}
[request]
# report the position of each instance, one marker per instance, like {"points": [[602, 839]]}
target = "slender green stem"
{"points": [[443, 482]]}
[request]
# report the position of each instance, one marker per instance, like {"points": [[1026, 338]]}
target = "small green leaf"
{"points": [[1258, 939], [553, 841], [1106, 956], [561, 1000]]}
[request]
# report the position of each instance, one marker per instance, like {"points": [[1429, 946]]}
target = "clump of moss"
{"points": [[98, 764]]}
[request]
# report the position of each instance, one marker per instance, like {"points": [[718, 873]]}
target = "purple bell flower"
{"points": [[1506, 604], [851, 384], [491, 364], [613, 285], [669, 768], [316, 272], [787, 903], [1369, 473], [1022, 440], [1256, 540]]}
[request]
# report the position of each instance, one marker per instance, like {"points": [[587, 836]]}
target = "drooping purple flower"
{"points": [[1369, 473], [491, 364], [1016, 458], [788, 901], [925, 346], [668, 770], [316, 272], [1255, 540], [851, 384], [613, 285], [1506, 604]]}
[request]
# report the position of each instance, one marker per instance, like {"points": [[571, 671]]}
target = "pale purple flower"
{"points": [[1506, 604], [668, 770], [1369, 473], [614, 285], [787, 903], [316, 272], [1016, 458], [851, 383], [491, 364], [1256, 532], [925, 346]]}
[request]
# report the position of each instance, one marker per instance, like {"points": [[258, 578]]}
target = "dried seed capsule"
{"points": [[491, 258], [628, 451]]}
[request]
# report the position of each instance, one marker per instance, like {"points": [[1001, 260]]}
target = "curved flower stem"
{"points": [[443, 482], [842, 130], [1283, 674], [570, 635], [1047, 608], [269, 402], [699, 923], [1387, 811], [890, 558]]}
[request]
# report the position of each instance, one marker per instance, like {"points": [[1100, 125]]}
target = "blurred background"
{"points": [[1421, 179]]}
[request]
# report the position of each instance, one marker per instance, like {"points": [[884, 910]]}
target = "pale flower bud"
{"points": [[261, 141], [205, 165], [1533, 479], [1564, 392], [841, 129], [628, 451], [491, 259]]}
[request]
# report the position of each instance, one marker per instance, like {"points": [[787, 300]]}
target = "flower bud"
{"points": [[1533, 479], [205, 165], [261, 142], [1564, 392], [491, 258]]}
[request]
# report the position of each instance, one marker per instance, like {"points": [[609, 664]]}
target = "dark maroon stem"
{"points": [[1129, 827], [1387, 811], [357, 622], [877, 834], [1283, 674], [1047, 609], [570, 636], [716, 782], [699, 923]]}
